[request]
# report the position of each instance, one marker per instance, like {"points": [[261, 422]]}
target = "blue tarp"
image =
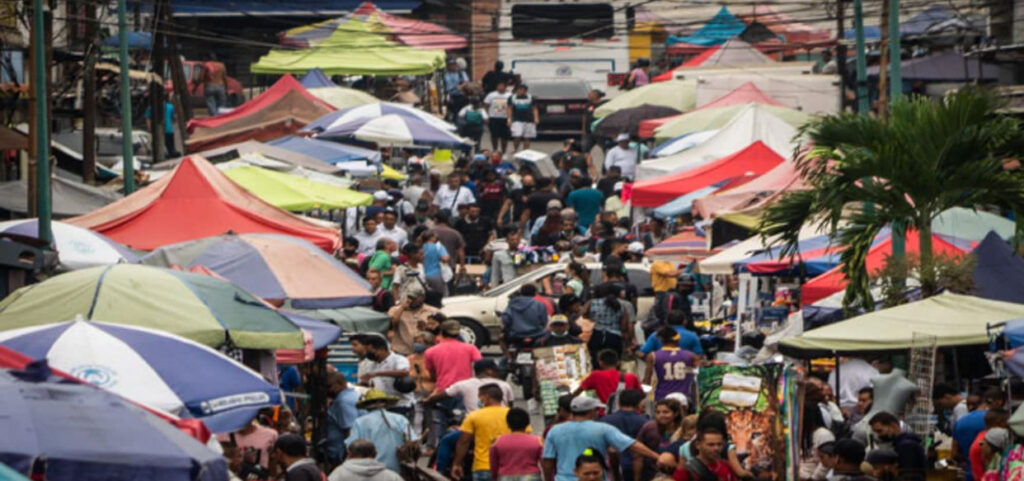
{"points": [[330, 152], [315, 79], [135, 40], [934, 19], [723, 26], [999, 273], [305, 8]]}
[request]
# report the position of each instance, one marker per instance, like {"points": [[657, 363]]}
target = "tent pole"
{"points": [[127, 156]]}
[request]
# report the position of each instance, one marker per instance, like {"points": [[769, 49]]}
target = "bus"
{"points": [[581, 39]]}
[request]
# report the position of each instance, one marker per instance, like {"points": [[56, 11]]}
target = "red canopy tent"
{"points": [[744, 94], [693, 62], [834, 281], [281, 110], [196, 200], [11, 359], [757, 158]]}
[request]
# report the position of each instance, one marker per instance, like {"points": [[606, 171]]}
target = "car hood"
{"points": [[450, 301]]}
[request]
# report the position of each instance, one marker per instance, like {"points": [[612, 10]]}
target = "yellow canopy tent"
{"points": [[294, 193]]}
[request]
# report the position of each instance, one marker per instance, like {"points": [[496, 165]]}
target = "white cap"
{"points": [[622, 137], [381, 195], [582, 404], [678, 396], [635, 247]]}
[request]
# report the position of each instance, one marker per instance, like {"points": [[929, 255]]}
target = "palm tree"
{"points": [[865, 174]]}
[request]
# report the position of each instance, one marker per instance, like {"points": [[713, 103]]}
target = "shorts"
{"points": [[498, 128], [524, 130]]}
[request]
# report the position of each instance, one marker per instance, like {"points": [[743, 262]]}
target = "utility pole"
{"points": [[841, 52], [156, 86], [863, 100], [899, 231], [41, 125], [127, 154], [89, 96]]}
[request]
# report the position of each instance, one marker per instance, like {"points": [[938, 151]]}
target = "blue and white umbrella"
{"points": [[151, 367], [372, 111], [395, 130], [681, 143], [77, 247]]}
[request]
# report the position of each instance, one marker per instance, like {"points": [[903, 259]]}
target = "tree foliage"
{"points": [[865, 174]]}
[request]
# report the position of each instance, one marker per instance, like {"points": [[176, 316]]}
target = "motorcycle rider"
{"points": [[523, 323]]}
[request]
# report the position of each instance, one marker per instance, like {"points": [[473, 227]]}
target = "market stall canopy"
{"points": [[196, 200], [736, 52], [748, 93], [136, 40], [752, 124], [294, 193], [683, 204], [370, 112], [998, 272], [757, 32], [627, 120], [407, 31], [782, 23], [756, 158], [834, 280], [718, 117], [88, 433], [696, 61], [948, 66], [343, 97], [723, 262], [952, 319], [69, 198], [76, 248], [723, 26], [151, 367], [326, 151], [937, 20], [753, 195], [396, 130], [682, 143], [282, 109], [676, 94], [351, 319], [685, 246], [273, 267], [973, 225], [201, 308], [353, 49], [270, 150], [317, 79]]}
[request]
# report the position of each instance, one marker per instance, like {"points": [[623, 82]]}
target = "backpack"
{"points": [[613, 400], [474, 117]]}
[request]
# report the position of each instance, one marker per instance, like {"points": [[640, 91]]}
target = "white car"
{"points": [[479, 313]]}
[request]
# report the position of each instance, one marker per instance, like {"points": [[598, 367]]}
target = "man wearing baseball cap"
{"points": [[622, 156], [566, 441], [558, 333]]}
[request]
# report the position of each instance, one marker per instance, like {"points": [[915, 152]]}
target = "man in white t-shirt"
{"points": [[369, 236], [453, 194], [386, 366], [486, 371], [391, 230], [497, 113], [622, 156]]}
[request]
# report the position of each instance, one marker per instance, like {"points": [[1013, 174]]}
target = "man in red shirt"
{"points": [[606, 381], [707, 464], [449, 361]]}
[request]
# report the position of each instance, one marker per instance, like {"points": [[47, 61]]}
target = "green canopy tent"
{"points": [[353, 49], [972, 225], [195, 306], [295, 193], [952, 319]]}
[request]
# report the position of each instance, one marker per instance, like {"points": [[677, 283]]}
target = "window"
{"points": [[589, 20]]}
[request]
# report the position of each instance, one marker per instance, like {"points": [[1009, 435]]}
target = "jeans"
{"points": [[440, 414], [169, 144], [481, 476], [216, 97]]}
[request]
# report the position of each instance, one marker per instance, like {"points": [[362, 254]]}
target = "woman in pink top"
{"points": [[516, 456]]}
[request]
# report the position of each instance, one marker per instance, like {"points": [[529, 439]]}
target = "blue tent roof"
{"points": [[998, 273], [315, 79], [135, 40], [723, 26], [330, 152], [683, 204], [935, 17]]}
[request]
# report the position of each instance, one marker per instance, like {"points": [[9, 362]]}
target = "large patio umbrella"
{"points": [[627, 120], [370, 112], [151, 367], [395, 130], [274, 267], [206, 310], [77, 247], [407, 31], [87, 433]]}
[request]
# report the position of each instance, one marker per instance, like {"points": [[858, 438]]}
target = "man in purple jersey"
{"points": [[672, 365]]}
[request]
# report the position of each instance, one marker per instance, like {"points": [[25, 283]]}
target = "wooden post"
{"points": [[883, 64], [89, 95]]}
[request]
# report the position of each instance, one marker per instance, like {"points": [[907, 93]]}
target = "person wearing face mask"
{"points": [[341, 414], [908, 446], [409, 317], [386, 367], [558, 333]]}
